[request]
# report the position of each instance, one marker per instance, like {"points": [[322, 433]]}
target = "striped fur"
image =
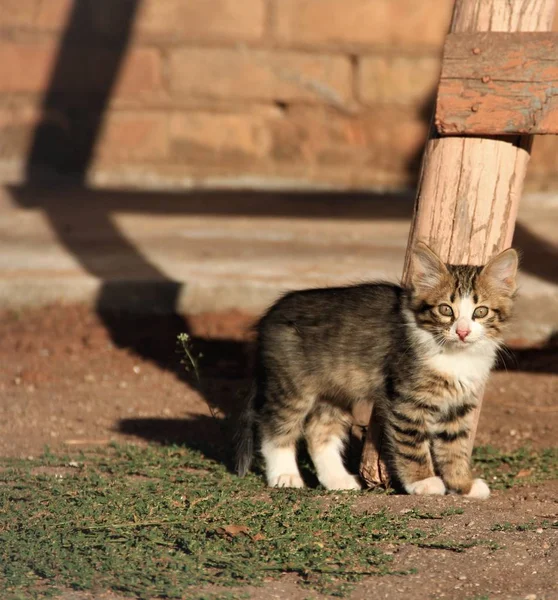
{"points": [[421, 354]]}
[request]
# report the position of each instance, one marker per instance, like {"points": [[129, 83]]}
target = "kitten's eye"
{"points": [[480, 312], [445, 309]]}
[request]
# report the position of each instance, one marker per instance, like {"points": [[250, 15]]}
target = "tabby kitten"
{"points": [[421, 354]]}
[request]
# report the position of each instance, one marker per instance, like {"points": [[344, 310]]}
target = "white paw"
{"points": [[342, 482], [431, 486], [287, 480], [479, 490]]}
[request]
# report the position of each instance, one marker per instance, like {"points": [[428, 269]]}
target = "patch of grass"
{"points": [[157, 521], [503, 470], [165, 521]]}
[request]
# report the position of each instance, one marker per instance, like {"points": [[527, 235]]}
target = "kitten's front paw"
{"points": [[479, 490], [342, 482], [431, 486], [287, 480]]}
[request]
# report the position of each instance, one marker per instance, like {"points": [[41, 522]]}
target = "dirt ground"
{"points": [[70, 378]]}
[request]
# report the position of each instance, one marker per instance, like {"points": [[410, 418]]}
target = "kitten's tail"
{"points": [[245, 434]]}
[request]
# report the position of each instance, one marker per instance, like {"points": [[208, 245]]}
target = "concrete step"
{"points": [[212, 251]]}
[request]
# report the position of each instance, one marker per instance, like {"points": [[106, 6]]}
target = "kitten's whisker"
{"points": [[504, 353]]}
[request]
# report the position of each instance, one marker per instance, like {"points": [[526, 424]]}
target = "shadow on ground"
{"points": [[225, 373]]}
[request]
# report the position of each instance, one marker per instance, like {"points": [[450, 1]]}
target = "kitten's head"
{"points": [[461, 305]]}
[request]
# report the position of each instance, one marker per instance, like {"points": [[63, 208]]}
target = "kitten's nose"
{"points": [[463, 333]]}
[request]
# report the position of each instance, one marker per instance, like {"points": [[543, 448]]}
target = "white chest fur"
{"points": [[466, 368]]}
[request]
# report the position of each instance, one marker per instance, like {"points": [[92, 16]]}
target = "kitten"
{"points": [[421, 354]]}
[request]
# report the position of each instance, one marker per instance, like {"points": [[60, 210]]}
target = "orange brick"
{"points": [[203, 137], [140, 74], [26, 67], [133, 136], [318, 135], [395, 138], [16, 130], [386, 138], [234, 19], [53, 15], [544, 157], [17, 13], [260, 75], [397, 79], [393, 22]]}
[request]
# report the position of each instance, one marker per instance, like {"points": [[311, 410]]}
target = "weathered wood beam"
{"points": [[469, 187], [498, 84]]}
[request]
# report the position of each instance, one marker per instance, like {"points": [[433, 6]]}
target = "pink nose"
{"points": [[463, 333]]}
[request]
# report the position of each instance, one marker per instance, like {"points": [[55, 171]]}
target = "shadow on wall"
{"points": [[80, 88], [85, 72]]}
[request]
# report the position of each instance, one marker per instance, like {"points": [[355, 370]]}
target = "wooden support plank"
{"points": [[498, 84], [469, 188]]}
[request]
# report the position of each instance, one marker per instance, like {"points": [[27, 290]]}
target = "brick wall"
{"points": [[265, 92]]}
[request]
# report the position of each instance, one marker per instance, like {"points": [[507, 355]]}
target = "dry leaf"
{"points": [[524, 473], [258, 537], [232, 530]]}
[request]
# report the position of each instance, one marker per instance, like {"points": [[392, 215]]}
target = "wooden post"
{"points": [[469, 187]]}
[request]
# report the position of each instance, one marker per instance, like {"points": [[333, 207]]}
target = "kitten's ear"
{"points": [[501, 270], [427, 270]]}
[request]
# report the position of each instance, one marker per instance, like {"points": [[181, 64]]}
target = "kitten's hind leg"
{"points": [[326, 432], [280, 464], [282, 422]]}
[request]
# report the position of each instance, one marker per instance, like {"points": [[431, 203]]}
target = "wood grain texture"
{"points": [[469, 188], [498, 84]]}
